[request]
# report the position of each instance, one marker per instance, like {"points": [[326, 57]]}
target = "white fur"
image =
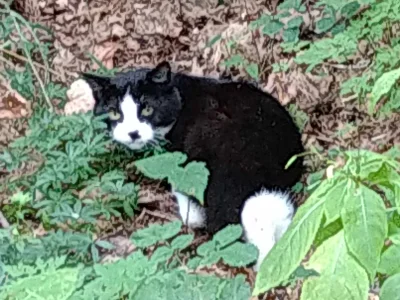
{"points": [[192, 214], [131, 123], [265, 218]]}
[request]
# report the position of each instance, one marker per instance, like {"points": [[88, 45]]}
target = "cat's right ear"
{"points": [[161, 73]]}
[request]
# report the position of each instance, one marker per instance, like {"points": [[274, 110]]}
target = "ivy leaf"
{"points": [[273, 28], [324, 24], [191, 179], [228, 235], [287, 253], [390, 289], [162, 254], [350, 9], [194, 263], [291, 35], [295, 22], [239, 254], [365, 227], [182, 241], [383, 86], [206, 248], [50, 284], [155, 233], [390, 261], [234, 61], [252, 70]]}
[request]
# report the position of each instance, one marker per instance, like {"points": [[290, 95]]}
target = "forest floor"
{"points": [[123, 35]]}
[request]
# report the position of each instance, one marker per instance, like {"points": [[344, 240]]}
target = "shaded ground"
{"points": [[127, 34]]}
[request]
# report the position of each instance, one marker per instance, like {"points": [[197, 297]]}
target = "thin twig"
{"points": [[23, 58], [46, 97], [160, 215]]}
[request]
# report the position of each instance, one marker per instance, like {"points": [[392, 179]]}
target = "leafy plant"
{"points": [[160, 276], [191, 179], [348, 257]]}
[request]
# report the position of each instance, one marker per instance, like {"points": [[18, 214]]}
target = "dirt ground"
{"points": [[127, 34]]}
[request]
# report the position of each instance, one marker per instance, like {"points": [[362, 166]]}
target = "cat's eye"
{"points": [[113, 115], [147, 111]]}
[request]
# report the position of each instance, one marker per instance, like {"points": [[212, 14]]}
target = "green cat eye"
{"points": [[113, 115], [147, 111]]}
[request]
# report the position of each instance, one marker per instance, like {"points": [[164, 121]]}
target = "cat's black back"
{"points": [[243, 134]]}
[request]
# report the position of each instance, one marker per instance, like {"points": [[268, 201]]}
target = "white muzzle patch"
{"points": [[131, 131]]}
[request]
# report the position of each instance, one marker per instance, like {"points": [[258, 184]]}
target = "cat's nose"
{"points": [[134, 135]]}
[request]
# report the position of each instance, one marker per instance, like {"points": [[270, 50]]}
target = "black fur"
{"points": [[243, 134]]}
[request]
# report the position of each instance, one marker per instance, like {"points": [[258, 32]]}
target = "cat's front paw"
{"points": [[190, 210]]}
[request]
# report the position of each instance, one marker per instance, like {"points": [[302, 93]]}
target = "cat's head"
{"points": [[141, 107]]}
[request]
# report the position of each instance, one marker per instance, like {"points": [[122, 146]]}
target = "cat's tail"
{"points": [[265, 217]]}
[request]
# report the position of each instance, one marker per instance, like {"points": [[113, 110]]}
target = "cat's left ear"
{"points": [[95, 81], [161, 73]]}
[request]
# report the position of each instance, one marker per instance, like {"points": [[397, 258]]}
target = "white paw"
{"points": [[192, 213]]}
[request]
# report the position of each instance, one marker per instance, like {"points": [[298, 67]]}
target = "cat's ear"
{"points": [[161, 73], [95, 81]]}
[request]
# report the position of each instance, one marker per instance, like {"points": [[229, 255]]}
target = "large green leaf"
{"points": [[341, 277], [365, 227], [390, 261], [191, 179], [391, 288], [335, 197], [287, 254], [383, 86]]}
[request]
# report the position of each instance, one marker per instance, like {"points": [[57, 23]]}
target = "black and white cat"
{"points": [[243, 134]]}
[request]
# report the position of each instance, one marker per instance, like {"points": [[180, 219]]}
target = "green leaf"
{"points": [[233, 61], [325, 24], [382, 87], [214, 40], [191, 180], [228, 235], [52, 284], [341, 277], [105, 245], [289, 251], [390, 261], [336, 196], [239, 254], [155, 233], [391, 288], [331, 287], [252, 70], [194, 263], [328, 231], [162, 254], [295, 22], [95, 253], [182, 241], [273, 28], [350, 9], [291, 35], [365, 227], [206, 248]]}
